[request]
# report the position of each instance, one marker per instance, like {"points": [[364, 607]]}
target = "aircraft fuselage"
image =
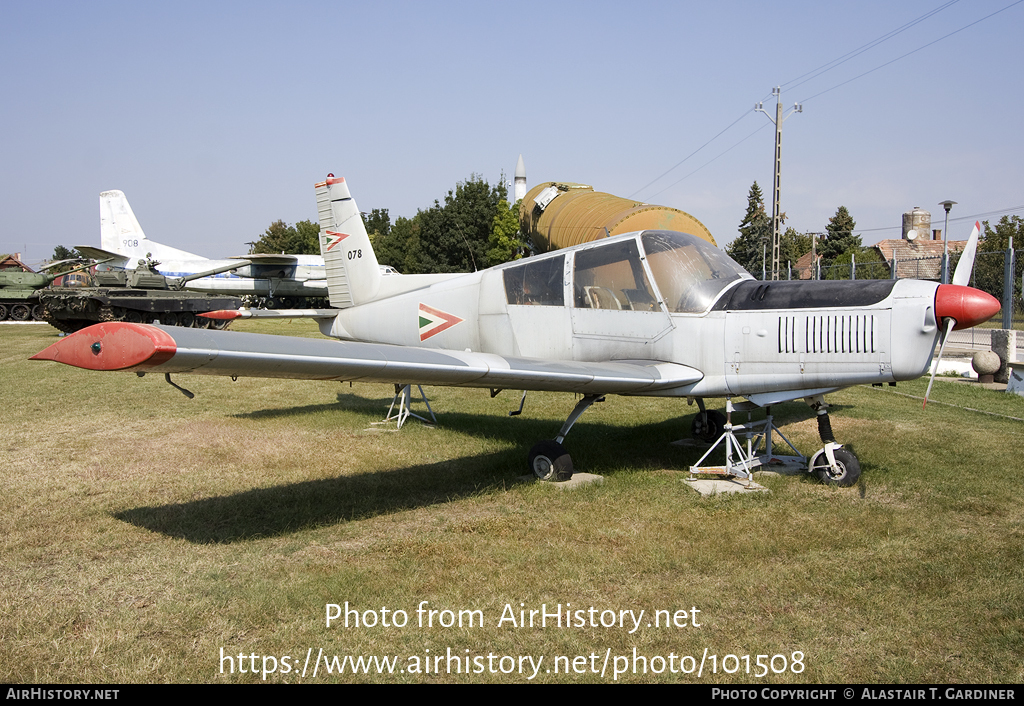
{"points": [[609, 301]]}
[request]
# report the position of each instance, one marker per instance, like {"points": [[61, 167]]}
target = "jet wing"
{"points": [[118, 345], [268, 259], [113, 258]]}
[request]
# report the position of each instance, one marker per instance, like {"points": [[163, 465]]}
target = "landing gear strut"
{"points": [[833, 464], [548, 459]]}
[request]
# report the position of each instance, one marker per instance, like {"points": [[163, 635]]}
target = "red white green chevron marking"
{"points": [[333, 238], [434, 321]]}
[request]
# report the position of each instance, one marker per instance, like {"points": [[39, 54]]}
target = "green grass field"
{"points": [[145, 535]]}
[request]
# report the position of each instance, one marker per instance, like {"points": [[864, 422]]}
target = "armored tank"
{"points": [[17, 290], [138, 296]]}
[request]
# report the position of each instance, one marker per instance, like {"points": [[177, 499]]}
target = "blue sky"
{"points": [[216, 119]]}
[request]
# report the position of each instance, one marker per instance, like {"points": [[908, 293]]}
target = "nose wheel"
{"points": [[835, 465]]}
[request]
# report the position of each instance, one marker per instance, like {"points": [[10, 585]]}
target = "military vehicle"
{"points": [[142, 296], [17, 288]]}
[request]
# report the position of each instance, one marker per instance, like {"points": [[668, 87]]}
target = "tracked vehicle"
{"points": [[18, 289], [137, 296]]}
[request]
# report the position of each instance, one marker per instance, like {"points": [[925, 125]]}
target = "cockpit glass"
{"points": [[689, 271], [612, 277], [537, 282]]}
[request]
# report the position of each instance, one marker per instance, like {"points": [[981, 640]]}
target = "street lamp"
{"points": [[947, 204]]}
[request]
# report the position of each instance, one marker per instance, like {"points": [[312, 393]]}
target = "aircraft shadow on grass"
{"points": [[283, 509]]}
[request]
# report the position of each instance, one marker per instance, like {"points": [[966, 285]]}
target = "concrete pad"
{"points": [[708, 487], [578, 480]]}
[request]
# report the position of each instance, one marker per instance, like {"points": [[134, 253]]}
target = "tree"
{"points": [[793, 246], [301, 239], [839, 237], [62, 253], [400, 246], [455, 237], [378, 224], [870, 265], [506, 240], [989, 262], [750, 249]]}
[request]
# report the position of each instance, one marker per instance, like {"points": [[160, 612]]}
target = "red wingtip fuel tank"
{"points": [[222, 314], [113, 345], [968, 306]]}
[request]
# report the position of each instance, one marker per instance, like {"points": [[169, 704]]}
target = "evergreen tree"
{"points": [[752, 246], [62, 253], [839, 237]]}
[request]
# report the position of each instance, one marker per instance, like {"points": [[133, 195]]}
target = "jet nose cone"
{"points": [[968, 306]]}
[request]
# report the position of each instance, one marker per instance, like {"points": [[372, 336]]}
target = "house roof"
{"points": [[918, 259], [10, 262]]}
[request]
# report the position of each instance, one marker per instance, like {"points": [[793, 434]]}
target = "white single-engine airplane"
{"points": [[653, 313], [280, 278]]}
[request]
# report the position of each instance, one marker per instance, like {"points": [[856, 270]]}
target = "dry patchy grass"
{"points": [[143, 532]]}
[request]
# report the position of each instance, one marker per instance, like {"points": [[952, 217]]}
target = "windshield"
{"points": [[689, 271]]}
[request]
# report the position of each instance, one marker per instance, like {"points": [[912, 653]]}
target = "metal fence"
{"points": [[999, 273]]}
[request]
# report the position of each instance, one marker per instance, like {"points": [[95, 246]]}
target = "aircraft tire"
{"points": [[847, 463], [549, 461], [708, 426]]}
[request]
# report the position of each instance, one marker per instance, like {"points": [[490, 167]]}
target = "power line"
{"points": [[743, 115], [817, 72], [720, 154], [860, 50], [904, 56]]}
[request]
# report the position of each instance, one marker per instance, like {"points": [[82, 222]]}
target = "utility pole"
{"points": [[776, 185]]}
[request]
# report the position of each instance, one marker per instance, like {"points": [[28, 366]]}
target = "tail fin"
{"points": [[120, 231], [353, 275]]}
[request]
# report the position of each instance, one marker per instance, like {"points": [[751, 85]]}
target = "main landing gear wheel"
{"points": [[708, 425], [549, 461], [844, 474]]}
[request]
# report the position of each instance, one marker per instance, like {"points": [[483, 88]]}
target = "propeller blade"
{"points": [[950, 323], [965, 267]]}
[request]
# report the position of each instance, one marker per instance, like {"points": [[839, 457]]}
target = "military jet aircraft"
{"points": [[281, 279], [652, 313]]}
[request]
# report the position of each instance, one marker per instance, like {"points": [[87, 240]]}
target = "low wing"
{"points": [[267, 259], [160, 349]]}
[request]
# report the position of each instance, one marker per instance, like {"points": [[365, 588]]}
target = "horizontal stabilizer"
{"points": [[114, 259]]}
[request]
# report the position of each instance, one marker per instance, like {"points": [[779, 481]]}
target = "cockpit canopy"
{"points": [[688, 272]]}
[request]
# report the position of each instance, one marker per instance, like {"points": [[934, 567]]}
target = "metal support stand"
{"points": [[742, 459], [403, 398]]}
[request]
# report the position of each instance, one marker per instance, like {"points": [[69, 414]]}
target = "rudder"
{"points": [[353, 274]]}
